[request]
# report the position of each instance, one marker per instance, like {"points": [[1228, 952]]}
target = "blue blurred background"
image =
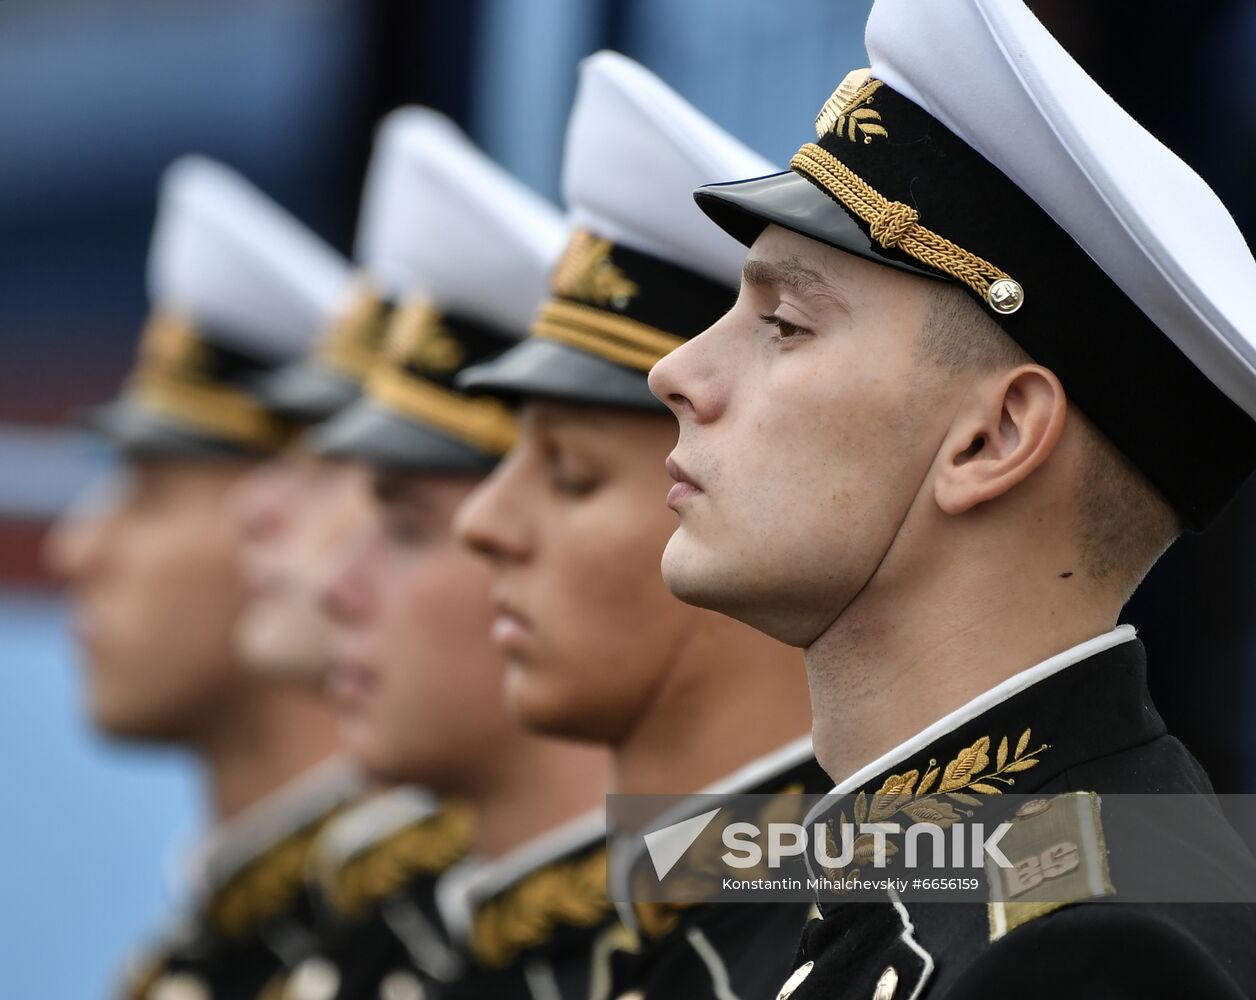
{"points": [[97, 96]]}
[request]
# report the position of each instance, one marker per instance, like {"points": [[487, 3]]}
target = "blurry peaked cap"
{"points": [[464, 250], [978, 152], [442, 222], [331, 376], [237, 287], [411, 414], [643, 271], [242, 270], [635, 151]]}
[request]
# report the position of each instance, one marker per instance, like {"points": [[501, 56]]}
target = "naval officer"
{"points": [[993, 352]]}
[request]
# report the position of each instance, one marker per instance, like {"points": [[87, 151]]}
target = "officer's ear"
{"points": [[1007, 428]]}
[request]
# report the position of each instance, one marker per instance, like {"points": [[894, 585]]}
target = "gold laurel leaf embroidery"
{"points": [[971, 761], [570, 893], [429, 847], [927, 781], [931, 811], [855, 90], [984, 789], [169, 344], [586, 273], [417, 337], [852, 119], [866, 849], [965, 774], [891, 796]]}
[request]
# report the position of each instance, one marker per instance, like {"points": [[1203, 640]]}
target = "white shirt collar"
{"points": [[227, 848]]}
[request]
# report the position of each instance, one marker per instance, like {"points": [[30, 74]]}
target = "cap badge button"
{"points": [[1005, 296]]}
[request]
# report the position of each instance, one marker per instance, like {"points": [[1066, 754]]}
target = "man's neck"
{"points": [[268, 737], [887, 669], [539, 784], [733, 696]]}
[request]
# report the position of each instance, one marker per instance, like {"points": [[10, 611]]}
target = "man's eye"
{"points": [[574, 485], [404, 532], [784, 328]]}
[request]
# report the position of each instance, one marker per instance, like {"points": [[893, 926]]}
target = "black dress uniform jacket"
{"points": [[715, 950], [1090, 727]]}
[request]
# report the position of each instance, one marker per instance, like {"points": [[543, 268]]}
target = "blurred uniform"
{"points": [[463, 248], [248, 914], [238, 288], [373, 877], [531, 922], [641, 274]]}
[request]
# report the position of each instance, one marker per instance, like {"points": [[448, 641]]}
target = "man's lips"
{"points": [[685, 486], [510, 629], [349, 683]]}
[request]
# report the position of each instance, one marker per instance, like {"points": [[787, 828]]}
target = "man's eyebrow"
{"points": [[791, 273]]}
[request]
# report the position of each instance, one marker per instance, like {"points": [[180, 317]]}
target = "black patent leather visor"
{"points": [[743, 209]]}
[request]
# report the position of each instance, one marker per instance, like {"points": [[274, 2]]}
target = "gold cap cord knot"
{"points": [[893, 223]]}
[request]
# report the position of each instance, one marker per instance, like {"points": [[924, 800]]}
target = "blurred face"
{"points": [[153, 573], [297, 512], [415, 678], [807, 427], [573, 524]]}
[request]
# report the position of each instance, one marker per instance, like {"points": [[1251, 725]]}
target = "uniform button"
{"points": [[400, 986], [886, 985], [795, 980], [179, 986], [313, 979]]}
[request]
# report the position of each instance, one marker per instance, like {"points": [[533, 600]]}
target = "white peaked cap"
{"points": [[635, 152], [1146, 218], [441, 221], [244, 271]]}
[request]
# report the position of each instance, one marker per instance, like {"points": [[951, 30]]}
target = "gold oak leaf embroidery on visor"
{"points": [[939, 796]]}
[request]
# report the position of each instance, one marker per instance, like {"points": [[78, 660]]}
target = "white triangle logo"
{"points": [[668, 845]]}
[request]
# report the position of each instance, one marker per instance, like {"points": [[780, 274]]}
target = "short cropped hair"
{"points": [[1125, 523]]}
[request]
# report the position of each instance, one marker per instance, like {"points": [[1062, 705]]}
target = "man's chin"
{"points": [[125, 724], [691, 578]]}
